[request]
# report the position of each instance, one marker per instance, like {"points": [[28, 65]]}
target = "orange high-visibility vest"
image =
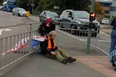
{"points": [[49, 44]]}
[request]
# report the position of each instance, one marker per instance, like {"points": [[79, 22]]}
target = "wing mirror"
{"points": [[69, 16]]}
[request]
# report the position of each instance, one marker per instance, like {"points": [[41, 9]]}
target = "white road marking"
{"points": [[101, 32], [7, 30], [1, 30], [104, 41], [83, 40]]}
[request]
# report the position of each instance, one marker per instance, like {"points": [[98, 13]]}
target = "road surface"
{"points": [[7, 20]]}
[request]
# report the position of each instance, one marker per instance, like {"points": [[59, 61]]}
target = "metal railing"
{"points": [[15, 47], [74, 37], [71, 37], [65, 37]]}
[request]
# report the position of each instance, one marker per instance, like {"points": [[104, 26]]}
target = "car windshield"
{"points": [[52, 14], [81, 14], [20, 9], [11, 3]]}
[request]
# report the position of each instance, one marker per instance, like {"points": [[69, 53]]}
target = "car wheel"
{"points": [[72, 30], [94, 34], [61, 26], [24, 15], [18, 14], [98, 30]]}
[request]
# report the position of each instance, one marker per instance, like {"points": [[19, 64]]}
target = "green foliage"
{"points": [[1, 2], [107, 16], [41, 5], [98, 8]]}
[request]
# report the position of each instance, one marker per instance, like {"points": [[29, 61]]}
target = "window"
{"points": [[112, 8], [106, 11], [81, 14], [66, 14], [70, 14]]}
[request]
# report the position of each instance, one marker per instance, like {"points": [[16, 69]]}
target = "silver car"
{"points": [[19, 11], [48, 14]]}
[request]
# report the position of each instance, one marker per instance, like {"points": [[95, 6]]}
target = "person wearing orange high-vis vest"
{"points": [[50, 50]]}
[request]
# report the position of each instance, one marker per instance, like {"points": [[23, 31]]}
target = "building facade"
{"points": [[106, 5], [113, 8]]}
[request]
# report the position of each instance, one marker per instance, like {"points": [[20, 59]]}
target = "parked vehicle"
{"points": [[48, 14], [81, 20], [9, 5], [105, 21], [1, 7], [19, 11]]}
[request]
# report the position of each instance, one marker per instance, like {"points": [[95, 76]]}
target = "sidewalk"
{"points": [[99, 63], [40, 66]]}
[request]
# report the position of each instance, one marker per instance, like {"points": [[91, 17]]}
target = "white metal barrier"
{"points": [[66, 38], [15, 47]]}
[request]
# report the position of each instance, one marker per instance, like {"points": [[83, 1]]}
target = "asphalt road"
{"points": [[7, 20]]}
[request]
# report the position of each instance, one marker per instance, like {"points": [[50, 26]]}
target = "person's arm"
{"points": [[56, 48]]}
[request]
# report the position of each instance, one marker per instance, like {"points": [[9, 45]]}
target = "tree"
{"points": [[64, 4], [77, 4], [98, 8]]}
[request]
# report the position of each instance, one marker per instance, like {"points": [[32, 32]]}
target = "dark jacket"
{"points": [[43, 30], [113, 23], [44, 46]]}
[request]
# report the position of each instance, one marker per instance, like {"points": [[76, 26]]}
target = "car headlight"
{"points": [[48, 17], [80, 22]]}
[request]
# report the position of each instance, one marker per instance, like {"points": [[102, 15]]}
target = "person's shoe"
{"points": [[71, 60], [65, 61]]}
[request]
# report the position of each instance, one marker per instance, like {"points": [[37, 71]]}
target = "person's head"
{"points": [[48, 22], [52, 34]]}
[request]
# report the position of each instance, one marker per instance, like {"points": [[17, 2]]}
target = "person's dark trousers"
{"points": [[113, 40]]}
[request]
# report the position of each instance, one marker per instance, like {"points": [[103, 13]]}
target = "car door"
{"points": [[66, 20], [16, 11], [69, 19], [43, 16]]}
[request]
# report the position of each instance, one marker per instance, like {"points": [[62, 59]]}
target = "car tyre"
{"points": [[98, 30], [18, 14], [94, 34]]}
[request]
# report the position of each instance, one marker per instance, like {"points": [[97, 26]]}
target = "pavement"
{"points": [[98, 63], [40, 66]]}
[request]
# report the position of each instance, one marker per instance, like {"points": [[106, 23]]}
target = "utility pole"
{"points": [[32, 5], [89, 31]]}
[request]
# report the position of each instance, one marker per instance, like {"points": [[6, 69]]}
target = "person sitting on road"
{"points": [[47, 26], [50, 50]]}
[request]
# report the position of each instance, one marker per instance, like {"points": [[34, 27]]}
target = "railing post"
{"points": [[30, 39]]}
